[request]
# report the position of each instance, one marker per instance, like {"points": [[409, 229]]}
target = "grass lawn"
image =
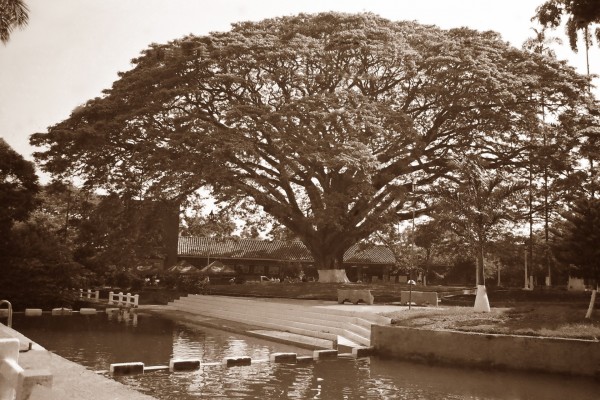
{"points": [[543, 312]]}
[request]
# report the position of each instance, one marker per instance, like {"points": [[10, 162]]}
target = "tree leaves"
{"points": [[322, 119]]}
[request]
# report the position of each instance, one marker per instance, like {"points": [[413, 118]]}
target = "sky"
{"points": [[73, 49]]}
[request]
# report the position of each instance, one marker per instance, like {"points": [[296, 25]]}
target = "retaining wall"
{"points": [[566, 356]]}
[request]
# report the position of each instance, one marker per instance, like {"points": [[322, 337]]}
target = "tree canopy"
{"points": [[18, 187], [13, 14], [323, 120], [580, 15]]}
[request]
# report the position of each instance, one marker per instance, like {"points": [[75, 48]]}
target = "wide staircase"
{"points": [[305, 323]]}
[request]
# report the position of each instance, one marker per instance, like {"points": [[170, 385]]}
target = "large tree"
{"points": [[323, 120]]}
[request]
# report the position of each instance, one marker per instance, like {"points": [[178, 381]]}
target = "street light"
{"points": [[410, 285], [211, 219]]}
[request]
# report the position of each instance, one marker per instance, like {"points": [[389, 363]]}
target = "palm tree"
{"points": [[540, 43], [13, 14]]}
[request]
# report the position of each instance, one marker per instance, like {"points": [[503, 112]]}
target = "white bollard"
{"points": [[128, 299], [120, 298], [97, 295], [33, 312], [110, 297], [136, 300], [89, 293], [80, 293]]}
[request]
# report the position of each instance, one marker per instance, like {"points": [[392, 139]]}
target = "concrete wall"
{"points": [[571, 356]]}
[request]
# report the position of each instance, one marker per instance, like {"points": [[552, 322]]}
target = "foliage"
{"points": [[38, 269], [123, 233], [580, 15], [478, 206], [18, 188], [13, 14], [578, 240], [322, 120]]}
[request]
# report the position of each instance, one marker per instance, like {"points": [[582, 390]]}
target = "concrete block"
{"points": [[9, 368], [237, 361], [355, 295], [419, 298], [130, 368], [33, 312], [325, 354], [87, 311], [29, 379], [183, 365], [62, 311], [362, 351], [283, 357]]}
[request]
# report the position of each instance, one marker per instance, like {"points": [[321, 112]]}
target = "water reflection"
{"points": [[96, 341]]}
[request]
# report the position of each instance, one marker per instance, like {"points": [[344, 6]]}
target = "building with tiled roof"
{"points": [[253, 257]]}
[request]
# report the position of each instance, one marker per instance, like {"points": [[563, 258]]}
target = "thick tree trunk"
{"points": [[330, 265], [333, 276]]}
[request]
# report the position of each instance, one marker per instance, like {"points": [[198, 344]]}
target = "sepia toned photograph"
{"points": [[282, 199]]}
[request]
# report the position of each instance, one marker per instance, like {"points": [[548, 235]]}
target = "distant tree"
{"points": [[13, 14], [475, 210], [215, 225], [323, 120], [18, 189], [580, 15], [124, 233], [578, 243]]}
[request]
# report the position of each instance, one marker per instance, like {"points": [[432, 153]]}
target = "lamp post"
{"points": [[410, 285], [211, 220]]}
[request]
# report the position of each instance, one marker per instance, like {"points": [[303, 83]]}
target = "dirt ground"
{"points": [[531, 319]]}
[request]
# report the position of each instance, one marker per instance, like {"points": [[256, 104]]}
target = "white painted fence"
{"points": [[121, 299]]}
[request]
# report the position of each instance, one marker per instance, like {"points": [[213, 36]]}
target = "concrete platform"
{"points": [[304, 323]]}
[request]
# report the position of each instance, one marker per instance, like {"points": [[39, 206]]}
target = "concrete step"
{"points": [[316, 322], [362, 320], [289, 319], [238, 317], [279, 304], [346, 323]]}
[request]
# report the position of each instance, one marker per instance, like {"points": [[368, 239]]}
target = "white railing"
{"points": [[88, 294], [9, 312], [127, 300], [120, 299]]}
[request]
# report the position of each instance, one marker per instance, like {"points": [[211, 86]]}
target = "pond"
{"points": [[96, 341]]}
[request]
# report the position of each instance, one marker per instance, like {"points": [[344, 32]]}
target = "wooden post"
{"points": [[110, 297]]}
